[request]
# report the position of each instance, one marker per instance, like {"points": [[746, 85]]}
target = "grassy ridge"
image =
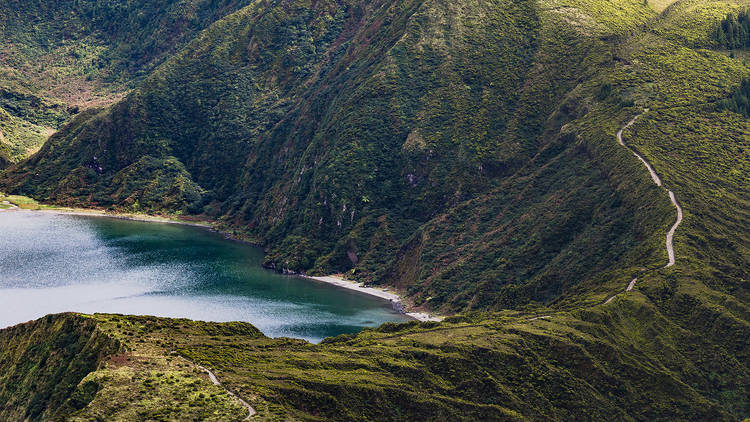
{"points": [[392, 141], [75, 368], [594, 364], [43, 363], [699, 150]]}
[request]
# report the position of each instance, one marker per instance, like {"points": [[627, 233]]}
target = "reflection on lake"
{"points": [[54, 263]]}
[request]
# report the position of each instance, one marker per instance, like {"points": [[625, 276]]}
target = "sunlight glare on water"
{"points": [[53, 263]]}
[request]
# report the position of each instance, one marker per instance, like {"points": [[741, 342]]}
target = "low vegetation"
{"points": [[739, 100], [597, 364], [61, 58], [396, 121], [43, 364], [420, 145], [19, 201]]}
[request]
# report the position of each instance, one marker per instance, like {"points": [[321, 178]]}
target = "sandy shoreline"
{"points": [[374, 291], [131, 217], [382, 293]]}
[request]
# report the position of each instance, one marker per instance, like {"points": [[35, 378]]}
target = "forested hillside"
{"points": [[58, 58], [465, 154], [340, 135]]}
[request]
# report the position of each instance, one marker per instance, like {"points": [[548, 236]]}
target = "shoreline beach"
{"points": [[382, 293]]}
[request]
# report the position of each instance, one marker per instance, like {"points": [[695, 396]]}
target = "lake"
{"points": [[53, 263]]}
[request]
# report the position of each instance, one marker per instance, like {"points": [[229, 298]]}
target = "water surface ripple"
{"points": [[53, 263]]}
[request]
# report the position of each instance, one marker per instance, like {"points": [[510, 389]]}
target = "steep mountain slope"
{"points": [[339, 134], [60, 57], [422, 145], [55, 367], [43, 363], [18, 138]]}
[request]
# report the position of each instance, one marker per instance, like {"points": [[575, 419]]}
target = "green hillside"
{"points": [[43, 364], [340, 136], [597, 364], [58, 58], [463, 153]]}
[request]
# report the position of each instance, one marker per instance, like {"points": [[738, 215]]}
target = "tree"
{"points": [[733, 31]]}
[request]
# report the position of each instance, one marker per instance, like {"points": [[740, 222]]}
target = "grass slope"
{"points": [[421, 145], [43, 364], [596, 364]]}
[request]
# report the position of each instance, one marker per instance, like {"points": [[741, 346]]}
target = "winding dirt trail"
{"points": [[539, 317], [670, 234], [655, 177], [216, 382], [651, 171]]}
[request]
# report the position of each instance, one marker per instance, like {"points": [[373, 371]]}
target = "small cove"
{"points": [[53, 263]]}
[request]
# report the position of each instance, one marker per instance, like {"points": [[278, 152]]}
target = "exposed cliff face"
{"points": [[42, 363]]}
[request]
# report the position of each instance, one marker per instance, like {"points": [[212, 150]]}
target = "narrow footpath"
{"points": [[216, 382], [672, 198]]}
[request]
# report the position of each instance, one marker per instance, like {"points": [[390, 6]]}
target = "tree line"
{"points": [[739, 100], [734, 31]]}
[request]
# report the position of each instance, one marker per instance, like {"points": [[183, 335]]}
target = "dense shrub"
{"points": [[739, 99]]}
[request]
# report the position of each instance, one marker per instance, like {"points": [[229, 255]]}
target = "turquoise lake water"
{"points": [[55, 263]]}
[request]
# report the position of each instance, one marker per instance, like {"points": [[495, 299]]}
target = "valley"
{"points": [[484, 160], [54, 263]]}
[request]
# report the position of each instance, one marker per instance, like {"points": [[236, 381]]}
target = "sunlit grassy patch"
{"points": [[23, 202]]}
